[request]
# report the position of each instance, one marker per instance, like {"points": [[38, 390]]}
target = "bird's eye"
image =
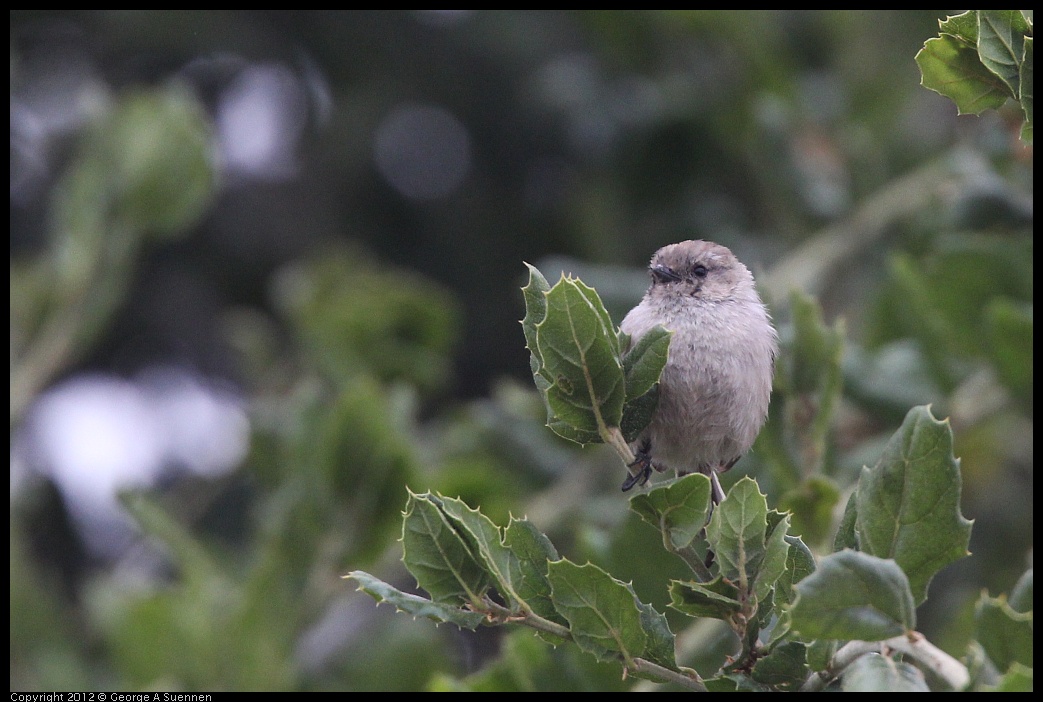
{"points": [[699, 271]]}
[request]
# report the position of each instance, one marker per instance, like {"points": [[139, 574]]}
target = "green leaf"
{"points": [[487, 544], [413, 604], [908, 505], [784, 668], [1001, 37], [847, 534], [676, 507], [644, 363], [736, 532], [952, 68], [660, 644], [602, 612], [875, 673], [800, 563], [776, 551], [638, 413], [437, 555], [853, 595], [534, 294], [1006, 635], [534, 551], [580, 353], [718, 598], [963, 26], [642, 366]]}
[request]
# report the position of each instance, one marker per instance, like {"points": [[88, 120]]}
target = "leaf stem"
{"points": [[688, 679]]}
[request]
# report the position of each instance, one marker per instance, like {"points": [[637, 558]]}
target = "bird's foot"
{"points": [[643, 463]]}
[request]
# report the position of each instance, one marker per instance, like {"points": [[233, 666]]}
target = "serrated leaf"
{"points": [[414, 604], [437, 555], [718, 598], [602, 612], [875, 673], [784, 668], [800, 563], [1006, 635], [644, 363], [736, 532], [535, 311], [534, 551], [853, 595], [678, 508], [1001, 37], [949, 67], [908, 505], [580, 353], [486, 540], [660, 642], [776, 550], [963, 26]]}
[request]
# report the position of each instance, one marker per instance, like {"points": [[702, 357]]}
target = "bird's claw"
{"points": [[644, 465]]}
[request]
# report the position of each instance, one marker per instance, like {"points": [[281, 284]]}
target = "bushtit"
{"points": [[714, 390]]}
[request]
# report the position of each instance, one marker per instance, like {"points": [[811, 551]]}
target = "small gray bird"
{"points": [[714, 390]]}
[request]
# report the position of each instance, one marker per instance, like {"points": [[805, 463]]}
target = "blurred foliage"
{"points": [[376, 341]]}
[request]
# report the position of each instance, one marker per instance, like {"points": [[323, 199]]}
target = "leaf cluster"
{"points": [[981, 59]]}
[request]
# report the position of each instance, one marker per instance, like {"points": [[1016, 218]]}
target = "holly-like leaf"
{"points": [[718, 598], [486, 540], [534, 294], [580, 354], [414, 604], [1001, 38], [908, 505], [660, 643], [776, 550], [1006, 635], [982, 58], [437, 555], [736, 532], [676, 507], [949, 67], [853, 595], [602, 612], [534, 551]]}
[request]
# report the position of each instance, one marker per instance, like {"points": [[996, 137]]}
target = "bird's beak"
{"points": [[662, 274]]}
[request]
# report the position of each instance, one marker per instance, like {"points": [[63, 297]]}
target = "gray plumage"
{"points": [[715, 388]]}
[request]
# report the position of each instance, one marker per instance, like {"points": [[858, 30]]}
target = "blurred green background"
{"points": [[265, 273]]}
